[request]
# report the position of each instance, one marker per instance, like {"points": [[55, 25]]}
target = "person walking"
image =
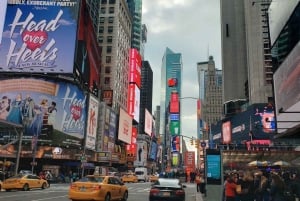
{"points": [[230, 188], [198, 182]]}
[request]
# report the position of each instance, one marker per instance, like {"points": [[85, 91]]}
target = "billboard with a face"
{"points": [[39, 36], [53, 111]]}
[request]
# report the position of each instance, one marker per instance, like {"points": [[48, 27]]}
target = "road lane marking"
{"points": [[50, 198]]}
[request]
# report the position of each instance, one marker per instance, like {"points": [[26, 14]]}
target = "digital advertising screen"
{"points": [[213, 167]]}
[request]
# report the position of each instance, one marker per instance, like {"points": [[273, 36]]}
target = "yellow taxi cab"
{"points": [[129, 177], [24, 182], [98, 187], [153, 178]]}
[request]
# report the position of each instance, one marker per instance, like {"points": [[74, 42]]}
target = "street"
{"points": [[59, 192]]}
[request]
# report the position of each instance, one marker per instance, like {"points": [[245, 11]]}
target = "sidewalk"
{"points": [[199, 196]]}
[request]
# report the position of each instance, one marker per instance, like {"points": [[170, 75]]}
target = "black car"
{"points": [[166, 189]]}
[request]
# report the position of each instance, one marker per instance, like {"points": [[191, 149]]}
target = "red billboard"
{"points": [[135, 65], [174, 102], [131, 148], [189, 160]]}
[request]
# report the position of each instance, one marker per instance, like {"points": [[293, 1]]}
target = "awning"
{"points": [[88, 165]]}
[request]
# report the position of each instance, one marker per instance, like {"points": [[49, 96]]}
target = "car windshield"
{"points": [[92, 179], [17, 176], [168, 183], [139, 172]]}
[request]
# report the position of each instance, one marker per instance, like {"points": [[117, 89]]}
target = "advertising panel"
{"points": [[107, 97], [153, 152], [174, 103], [3, 5], [189, 159], [112, 125], [141, 154], [131, 148], [53, 111], [135, 65], [92, 123], [213, 166], [134, 101], [226, 132], [148, 122], [35, 42], [107, 146], [175, 159], [125, 127], [175, 142], [174, 127]]}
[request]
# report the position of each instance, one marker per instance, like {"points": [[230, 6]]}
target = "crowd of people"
{"points": [[261, 185]]}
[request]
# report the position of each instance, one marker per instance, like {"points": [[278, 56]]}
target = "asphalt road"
{"points": [[59, 192]]}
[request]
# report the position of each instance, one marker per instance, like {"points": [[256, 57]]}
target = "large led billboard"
{"points": [[226, 132], [175, 142], [39, 36], [135, 65], [53, 111], [174, 102], [125, 127]]}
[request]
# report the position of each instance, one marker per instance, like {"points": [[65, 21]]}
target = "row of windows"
{"points": [[109, 39], [110, 29], [110, 20], [108, 1]]}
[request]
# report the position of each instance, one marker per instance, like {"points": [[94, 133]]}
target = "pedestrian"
{"points": [[198, 182], [230, 188], [48, 177]]}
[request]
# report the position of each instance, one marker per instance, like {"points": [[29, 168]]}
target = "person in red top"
{"points": [[230, 188]]}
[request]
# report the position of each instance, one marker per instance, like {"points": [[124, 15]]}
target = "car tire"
{"points": [[107, 197], [44, 185], [125, 196], [26, 187]]}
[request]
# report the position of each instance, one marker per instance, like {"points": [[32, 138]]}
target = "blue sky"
{"points": [[189, 27]]}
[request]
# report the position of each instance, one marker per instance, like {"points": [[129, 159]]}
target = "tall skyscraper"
{"points": [[171, 81], [113, 26], [135, 7], [246, 55], [210, 94]]}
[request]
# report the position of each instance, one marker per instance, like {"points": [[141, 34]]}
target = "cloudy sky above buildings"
{"points": [[189, 27]]}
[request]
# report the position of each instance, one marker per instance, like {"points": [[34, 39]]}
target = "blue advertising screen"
{"points": [[213, 167]]}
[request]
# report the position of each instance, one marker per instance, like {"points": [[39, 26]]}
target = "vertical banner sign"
{"points": [[3, 5], [92, 122]]}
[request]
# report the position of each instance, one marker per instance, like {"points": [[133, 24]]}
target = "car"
{"points": [[153, 178], [98, 188], [25, 172], [0, 185], [24, 182], [167, 189], [129, 177]]}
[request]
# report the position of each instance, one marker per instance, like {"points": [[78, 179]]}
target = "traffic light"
{"points": [[192, 141], [197, 143]]}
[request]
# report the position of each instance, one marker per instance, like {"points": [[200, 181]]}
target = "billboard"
{"points": [[135, 65], [175, 159], [174, 102], [125, 127], [53, 111], [153, 152], [189, 160], [226, 132], [36, 42], [107, 97], [148, 122], [3, 5], [175, 142], [92, 123], [134, 101], [141, 153], [174, 127], [131, 148]]}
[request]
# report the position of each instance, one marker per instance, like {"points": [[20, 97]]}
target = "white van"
{"points": [[141, 173]]}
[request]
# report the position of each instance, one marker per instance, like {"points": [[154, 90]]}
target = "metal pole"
{"points": [[18, 151]]}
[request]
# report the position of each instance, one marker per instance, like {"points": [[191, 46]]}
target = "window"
{"points": [[108, 59], [107, 80], [112, 1], [111, 10], [101, 29], [109, 39], [102, 10], [107, 70], [110, 29], [102, 19], [111, 20], [108, 49], [103, 1], [100, 39]]}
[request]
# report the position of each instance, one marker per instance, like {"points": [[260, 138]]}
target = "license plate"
{"points": [[82, 189], [166, 194]]}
